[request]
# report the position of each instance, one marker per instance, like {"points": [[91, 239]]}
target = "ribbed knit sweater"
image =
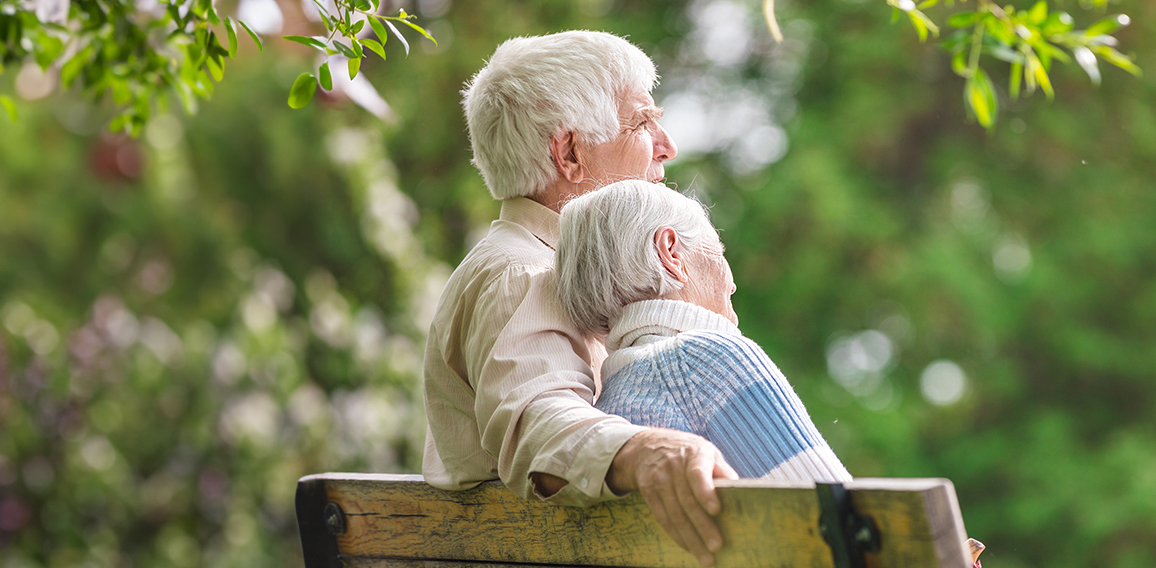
{"points": [[676, 365]]}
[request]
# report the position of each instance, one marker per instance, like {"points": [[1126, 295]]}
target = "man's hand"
{"points": [[675, 473]]}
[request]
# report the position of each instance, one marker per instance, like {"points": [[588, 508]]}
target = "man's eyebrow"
{"points": [[651, 112]]}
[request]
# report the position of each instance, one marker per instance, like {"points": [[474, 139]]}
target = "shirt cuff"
{"points": [[587, 471]]}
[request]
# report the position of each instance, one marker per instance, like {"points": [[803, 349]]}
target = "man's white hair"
{"points": [[535, 87], [606, 256]]}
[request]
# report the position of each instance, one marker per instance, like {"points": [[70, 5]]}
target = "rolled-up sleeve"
{"points": [[535, 392]]}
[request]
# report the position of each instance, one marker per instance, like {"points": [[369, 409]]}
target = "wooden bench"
{"points": [[367, 520]]}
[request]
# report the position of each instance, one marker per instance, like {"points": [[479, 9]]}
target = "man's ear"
{"points": [[564, 152], [670, 252]]}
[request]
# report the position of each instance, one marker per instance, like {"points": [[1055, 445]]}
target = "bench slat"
{"points": [[764, 523]]}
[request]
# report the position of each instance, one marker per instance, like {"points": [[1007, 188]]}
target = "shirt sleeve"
{"points": [[535, 391]]}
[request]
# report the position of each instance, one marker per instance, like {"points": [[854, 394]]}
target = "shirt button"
{"points": [[584, 482]]}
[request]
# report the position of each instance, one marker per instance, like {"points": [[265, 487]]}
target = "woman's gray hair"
{"points": [[535, 87], [606, 256]]}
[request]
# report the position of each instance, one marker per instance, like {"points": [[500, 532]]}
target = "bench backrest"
{"points": [[399, 520]]}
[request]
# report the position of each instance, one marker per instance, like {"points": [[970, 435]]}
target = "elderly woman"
{"points": [[641, 265]]}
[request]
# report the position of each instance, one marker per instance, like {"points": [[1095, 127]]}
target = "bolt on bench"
{"points": [[377, 520]]}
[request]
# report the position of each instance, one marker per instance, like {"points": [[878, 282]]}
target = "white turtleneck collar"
{"points": [[652, 320]]}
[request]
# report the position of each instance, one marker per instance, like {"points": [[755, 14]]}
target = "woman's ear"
{"points": [[670, 252], [564, 152]]}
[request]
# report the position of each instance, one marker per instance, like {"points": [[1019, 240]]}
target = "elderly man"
{"points": [[509, 381], [641, 265]]}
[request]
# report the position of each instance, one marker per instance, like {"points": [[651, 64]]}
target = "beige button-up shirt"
{"points": [[509, 385]]}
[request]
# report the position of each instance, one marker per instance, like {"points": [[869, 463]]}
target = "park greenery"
{"points": [[193, 318]]}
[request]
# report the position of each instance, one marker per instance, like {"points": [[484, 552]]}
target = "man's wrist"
{"points": [[622, 476]]}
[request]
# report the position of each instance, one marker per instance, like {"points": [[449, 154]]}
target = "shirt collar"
{"points": [[642, 322], [535, 217]]}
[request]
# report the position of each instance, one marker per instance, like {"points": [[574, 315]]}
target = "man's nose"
{"points": [[664, 146]]}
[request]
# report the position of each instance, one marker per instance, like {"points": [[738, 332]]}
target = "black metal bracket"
{"points": [[848, 533], [319, 521]]}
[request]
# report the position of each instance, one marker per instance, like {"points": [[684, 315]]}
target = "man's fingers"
{"points": [[722, 468], [699, 476], [679, 526], [696, 511]]}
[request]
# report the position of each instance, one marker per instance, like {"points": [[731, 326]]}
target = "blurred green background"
{"points": [[194, 319]]}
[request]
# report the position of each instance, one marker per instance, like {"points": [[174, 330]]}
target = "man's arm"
{"points": [[675, 473], [535, 415]]}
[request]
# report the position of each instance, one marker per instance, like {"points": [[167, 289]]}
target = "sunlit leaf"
{"points": [[1118, 59], [1041, 76], [1057, 23], [1016, 76], [378, 29], [964, 19], [397, 33], [959, 64], [1087, 60], [344, 49], [374, 47], [9, 106], [309, 41], [422, 31], [1038, 12], [232, 33], [1107, 25], [981, 98], [216, 69], [357, 51], [302, 91], [256, 39], [927, 4], [325, 77], [354, 66], [72, 68]]}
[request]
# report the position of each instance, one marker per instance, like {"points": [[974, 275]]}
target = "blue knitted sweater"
{"points": [[676, 365]]}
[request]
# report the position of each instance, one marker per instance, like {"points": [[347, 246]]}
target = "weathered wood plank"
{"points": [[764, 523]]}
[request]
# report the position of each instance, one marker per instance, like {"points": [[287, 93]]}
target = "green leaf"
{"points": [[980, 96], [927, 4], [256, 39], [1000, 29], [232, 33], [1057, 23], [1118, 59], [1087, 60], [400, 37], [374, 47], [357, 27], [354, 66], [422, 31], [48, 48], [1003, 53], [963, 19], [302, 91], [959, 64], [919, 25], [74, 66], [1107, 25], [325, 77], [8, 106], [357, 48], [309, 41], [378, 29], [1038, 13], [1040, 74], [363, 5], [1017, 70], [216, 69], [344, 49]]}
